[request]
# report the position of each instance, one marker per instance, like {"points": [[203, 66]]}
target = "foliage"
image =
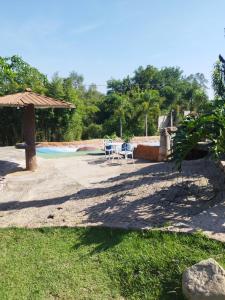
{"points": [[150, 92], [207, 126], [98, 263], [51, 124], [132, 104], [118, 107], [195, 129], [112, 136], [149, 107], [127, 137], [218, 79], [15, 76], [93, 131]]}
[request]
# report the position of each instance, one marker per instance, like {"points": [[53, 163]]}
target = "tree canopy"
{"points": [[131, 105]]}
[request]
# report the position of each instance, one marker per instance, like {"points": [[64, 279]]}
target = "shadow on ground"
{"points": [[7, 167], [155, 195], [102, 239]]}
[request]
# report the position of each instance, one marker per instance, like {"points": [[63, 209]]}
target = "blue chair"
{"points": [[127, 150], [108, 150]]}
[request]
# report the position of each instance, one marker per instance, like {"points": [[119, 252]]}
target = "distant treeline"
{"points": [[131, 105]]}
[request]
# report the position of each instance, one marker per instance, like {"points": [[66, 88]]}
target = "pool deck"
{"points": [[92, 191]]}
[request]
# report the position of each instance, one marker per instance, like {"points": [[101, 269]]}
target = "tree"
{"points": [[148, 78], [119, 86], [210, 125], [149, 105], [218, 79], [132, 104], [16, 75], [121, 109]]}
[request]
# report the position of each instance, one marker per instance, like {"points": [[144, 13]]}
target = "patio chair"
{"points": [[108, 148], [117, 148], [107, 141], [127, 150]]}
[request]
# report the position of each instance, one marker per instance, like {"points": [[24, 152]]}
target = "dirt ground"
{"points": [[91, 191]]}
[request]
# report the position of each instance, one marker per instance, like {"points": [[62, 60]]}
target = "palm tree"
{"points": [[149, 105], [121, 110]]}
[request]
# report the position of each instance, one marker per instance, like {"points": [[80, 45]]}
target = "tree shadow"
{"points": [[100, 153], [117, 161], [100, 238], [181, 201], [149, 197], [98, 161], [121, 183], [7, 167], [153, 210], [18, 205]]}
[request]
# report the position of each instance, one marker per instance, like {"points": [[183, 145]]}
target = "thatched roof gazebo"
{"points": [[29, 101]]}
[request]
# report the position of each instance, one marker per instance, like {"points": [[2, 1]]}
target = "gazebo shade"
{"points": [[28, 101], [29, 97]]}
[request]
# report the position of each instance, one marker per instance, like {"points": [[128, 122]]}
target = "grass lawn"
{"points": [[98, 263]]}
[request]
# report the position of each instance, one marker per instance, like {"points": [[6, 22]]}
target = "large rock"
{"points": [[204, 281], [87, 148]]}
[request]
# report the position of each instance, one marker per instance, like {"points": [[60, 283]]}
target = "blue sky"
{"points": [[103, 39]]}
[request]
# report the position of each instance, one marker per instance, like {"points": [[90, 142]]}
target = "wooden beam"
{"points": [[29, 137]]}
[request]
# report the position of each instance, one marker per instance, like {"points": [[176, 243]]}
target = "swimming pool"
{"points": [[58, 152], [53, 150]]}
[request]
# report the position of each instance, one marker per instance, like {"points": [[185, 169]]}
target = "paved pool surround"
{"points": [[99, 142], [92, 191]]}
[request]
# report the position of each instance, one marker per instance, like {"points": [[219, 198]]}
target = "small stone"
{"points": [[204, 281], [51, 216]]}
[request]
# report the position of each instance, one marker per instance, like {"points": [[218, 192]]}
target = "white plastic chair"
{"points": [[127, 150], [108, 148]]}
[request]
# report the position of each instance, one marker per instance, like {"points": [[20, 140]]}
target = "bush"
{"points": [[93, 131], [194, 129]]}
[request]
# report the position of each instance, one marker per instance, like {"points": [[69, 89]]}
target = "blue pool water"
{"points": [[53, 150], [59, 152]]}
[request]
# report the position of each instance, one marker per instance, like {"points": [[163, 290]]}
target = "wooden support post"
{"points": [[29, 137]]}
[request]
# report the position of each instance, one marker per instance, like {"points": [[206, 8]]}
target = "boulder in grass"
{"points": [[87, 148], [204, 281]]}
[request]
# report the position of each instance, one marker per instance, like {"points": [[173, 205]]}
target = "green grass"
{"points": [[98, 263]]}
